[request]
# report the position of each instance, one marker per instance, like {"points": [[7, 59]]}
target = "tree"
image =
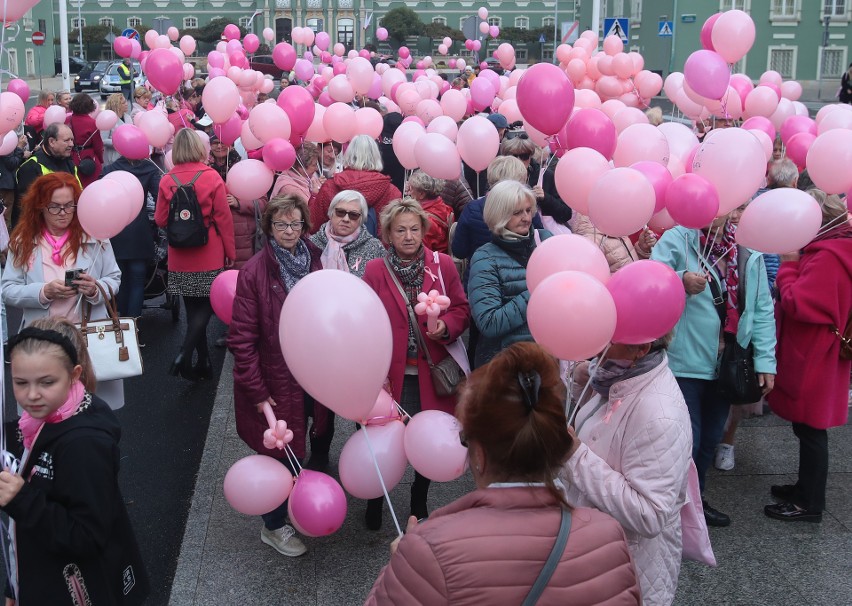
{"points": [[402, 22], [439, 31], [212, 32]]}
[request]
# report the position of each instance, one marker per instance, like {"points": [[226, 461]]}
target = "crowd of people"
{"points": [[613, 482]]}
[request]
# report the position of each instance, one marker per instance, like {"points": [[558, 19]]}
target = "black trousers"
{"points": [[813, 466]]}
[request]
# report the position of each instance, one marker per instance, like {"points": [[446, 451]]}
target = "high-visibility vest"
{"points": [[123, 74], [45, 170]]}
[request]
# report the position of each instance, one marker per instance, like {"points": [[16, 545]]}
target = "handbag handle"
{"points": [[552, 560], [112, 312], [411, 317]]}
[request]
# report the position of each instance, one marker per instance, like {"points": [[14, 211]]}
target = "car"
{"points": [[90, 76], [110, 81], [265, 65], [75, 65]]}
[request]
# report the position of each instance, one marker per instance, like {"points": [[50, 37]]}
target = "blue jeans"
{"points": [[277, 518], [708, 414], [131, 295]]}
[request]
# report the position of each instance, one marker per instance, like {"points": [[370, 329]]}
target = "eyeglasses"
{"points": [[353, 215], [284, 226], [523, 157], [55, 209]]}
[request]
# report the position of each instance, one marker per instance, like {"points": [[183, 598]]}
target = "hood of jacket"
{"points": [[372, 184], [97, 417]]}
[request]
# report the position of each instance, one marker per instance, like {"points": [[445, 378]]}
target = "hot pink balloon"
{"points": [[437, 156], [278, 154], [660, 179], [164, 71], [356, 468], [779, 221], [130, 142], [222, 294], [317, 504], [829, 159], [97, 210], [707, 74], [257, 484], [649, 300], [590, 128], [231, 32], [798, 124], [731, 151], [230, 131], [707, 31], [251, 43], [692, 201], [760, 123], [122, 46], [797, 148], [284, 56], [621, 202], [566, 252], [641, 142], [433, 447], [249, 179], [545, 97], [576, 174], [571, 315], [478, 142]]}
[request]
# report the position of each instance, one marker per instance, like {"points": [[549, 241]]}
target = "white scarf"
{"points": [[333, 256]]}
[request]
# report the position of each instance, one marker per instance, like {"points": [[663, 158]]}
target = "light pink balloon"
{"points": [[629, 116], [732, 151], [368, 122], [784, 110], [437, 156], [765, 142], [612, 45], [566, 252], [329, 316], [445, 126], [339, 122], [156, 127], [249, 179], [762, 101], [340, 89], [357, 471], [10, 142], [779, 221], [791, 90], [102, 213], [733, 35], [571, 315], [576, 173], [433, 447], [268, 121], [661, 221], [360, 74], [257, 484], [404, 140], [828, 161], [428, 109], [834, 120], [55, 114], [384, 410], [641, 142], [221, 99], [681, 139], [478, 142], [621, 202], [106, 120], [317, 504], [151, 37], [612, 107]]}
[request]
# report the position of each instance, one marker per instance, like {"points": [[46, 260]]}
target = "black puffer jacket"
{"points": [[136, 241]]}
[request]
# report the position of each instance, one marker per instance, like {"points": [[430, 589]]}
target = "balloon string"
{"points": [[94, 258], [465, 185], [402, 411], [722, 256], [579, 400], [828, 226], [155, 164], [382, 481], [294, 460]]}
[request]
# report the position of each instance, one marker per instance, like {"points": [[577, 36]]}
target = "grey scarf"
{"points": [[292, 266], [605, 375]]}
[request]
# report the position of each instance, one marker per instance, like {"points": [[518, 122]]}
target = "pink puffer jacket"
{"points": [[490, 546]]}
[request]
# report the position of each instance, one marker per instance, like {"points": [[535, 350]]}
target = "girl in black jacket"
{"points": [[72, 539]]}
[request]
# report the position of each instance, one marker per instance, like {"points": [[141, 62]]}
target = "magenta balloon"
{"points": [[230, 131], [576, 174], [437, 156], [317, 504], [545, 97], [251, 43], [300, 107], [829, 159], [659, 177], [795, 125], [432, 446], [707, 30], [566, 252], [621, 202], [478, 142], [279, 155], [130, 142], [692, 201], [779, 221], [356, 468], [731, 151], [164, 70], [593, 129], [122, 46], [222, 294], [571, 315], [797, 148], [284, 56], [649, 300], [760, 123], [707, 74], [257, 484]]}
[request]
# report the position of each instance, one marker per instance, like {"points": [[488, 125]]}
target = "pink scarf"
{"points": [[333, 256], [30, 426], [56, 244]]}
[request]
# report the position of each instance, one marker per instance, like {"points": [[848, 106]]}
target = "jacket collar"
{"points": [[633, 385], [500, 498], [431, 281]]}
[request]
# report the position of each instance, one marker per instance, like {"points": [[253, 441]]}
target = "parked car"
{"points": [[90, 76], [265, 65], [75, 65], [110, 81]]}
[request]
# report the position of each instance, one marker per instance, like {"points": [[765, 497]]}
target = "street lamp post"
{"points": [[80, 26]]}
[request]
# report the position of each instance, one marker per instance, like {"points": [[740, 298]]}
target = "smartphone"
{"points": [[70, 276]]}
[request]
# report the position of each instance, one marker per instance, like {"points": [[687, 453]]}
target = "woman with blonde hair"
{"points": [[427, 191], [302, 179], [118, 103]]}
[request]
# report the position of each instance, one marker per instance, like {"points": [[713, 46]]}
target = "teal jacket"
{"points": [[498, 295], [694, 350]]}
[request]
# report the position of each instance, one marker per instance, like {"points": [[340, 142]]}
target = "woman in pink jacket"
{"points": [[490, 547]]}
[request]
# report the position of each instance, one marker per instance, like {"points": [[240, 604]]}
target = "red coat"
{"points": [[86, 135], [815, 293], [260, 371], [440, 219], [374, 186], [211, 193], [457, 319]]}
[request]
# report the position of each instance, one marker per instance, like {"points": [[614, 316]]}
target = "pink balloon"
{"points": [[278, 154], [257, 484], [590, 128], [629, 116], [323, 40], [404, 140], [329, 316], [762, 101], [284, 56], [482, 13], [732, 151], [707, 30], [566, 252], [649, 300], [106, 120], [249, 179], [230, 131], [692, 201], [151, 38], [478, 142], [494, 31], [621, 202], [222, 293], [97, 210], [571, 315], [661, 221], [368, 121], [156, 127], [733, 35], [316, 131], [798, 124], [446, 126], [798, 146], [454, 104], [612, 45], [19, 88], [360, 73], [55, 114], [828, 161], [187, 45], [268, 121], [231, 32], [707, 74], [779, 221], [356, 468], [382, 34], [317, 504], [130, 142], [545, 97], [482, 93], [660, 179], [164, 71], [760, 123], [437, 156], [576, 174], [641, 142], [251, 43], [339, 122], [340, 89], [122, 46], [433, 447], [791, 90], [384, 410], [427, 110], [742, 85]]}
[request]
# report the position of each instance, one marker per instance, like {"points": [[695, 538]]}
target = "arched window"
{"points": [[346, 32]]}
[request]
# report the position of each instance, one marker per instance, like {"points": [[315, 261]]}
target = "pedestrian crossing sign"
{"points": [[666, 29], [617, 27]]}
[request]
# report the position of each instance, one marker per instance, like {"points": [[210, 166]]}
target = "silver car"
{"points": [[110, 81]]}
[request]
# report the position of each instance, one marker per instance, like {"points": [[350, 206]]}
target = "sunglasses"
{"points": [[353, 215]]}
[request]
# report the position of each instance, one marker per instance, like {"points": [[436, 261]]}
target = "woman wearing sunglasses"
{"points": [[345, 242]]}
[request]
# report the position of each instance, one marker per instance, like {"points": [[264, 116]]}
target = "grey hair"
{"points": [[506, 168], [430, 186], [501, 202], [52, 131], [831, 205], [362, 154], [510, 147], [349, 195], [782, 173]]}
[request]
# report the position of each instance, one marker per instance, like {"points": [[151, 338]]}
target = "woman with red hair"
{"points": [[47, 242]]}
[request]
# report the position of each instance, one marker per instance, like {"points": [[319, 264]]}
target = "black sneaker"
{"points": [[790, 512], [714, 517]]}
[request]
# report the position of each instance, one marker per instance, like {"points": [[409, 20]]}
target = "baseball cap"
{"points": [[498, 120], [205, 120]]}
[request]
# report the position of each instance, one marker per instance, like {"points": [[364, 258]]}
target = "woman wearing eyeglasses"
{"points": [[192, 270], [46, 243], [260, 371]]}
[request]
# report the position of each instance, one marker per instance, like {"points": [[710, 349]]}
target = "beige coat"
{"points": [[619, 251]]}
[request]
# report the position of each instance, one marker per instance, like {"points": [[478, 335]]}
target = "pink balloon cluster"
{"points": [[109, 205]]}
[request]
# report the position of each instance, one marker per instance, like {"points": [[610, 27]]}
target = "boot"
{"points": [[373, 515], [320, 447], [419, 492]]}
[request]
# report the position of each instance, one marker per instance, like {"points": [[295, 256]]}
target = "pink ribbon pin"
{"points": [[277, 436], [432, 305]]}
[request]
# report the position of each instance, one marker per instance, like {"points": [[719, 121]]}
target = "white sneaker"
{"points": [[724, 457], [283, 540]]}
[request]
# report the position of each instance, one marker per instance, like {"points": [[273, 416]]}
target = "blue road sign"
{"points": [[541, 38], [617, 27], [130, 33], [666, 29]]}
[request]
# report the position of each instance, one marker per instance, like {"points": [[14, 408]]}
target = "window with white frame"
{"points": [[315, 24], [439, 20], [548, 22], [785, 9], [636, 9], [618, 7], [78, 23], [522, 22], [134, 22], [739, 67], [834, 8], [833, 62], [783, 61], [190, 23], [547, 55], [495, 21], [28, 20], [521, 54], [106, 21], [244, 22], [727, 5]]}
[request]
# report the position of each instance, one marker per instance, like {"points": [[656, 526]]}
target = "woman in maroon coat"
{"points": [[88, 152], [418, 269], [260, 372], [811, 388]]}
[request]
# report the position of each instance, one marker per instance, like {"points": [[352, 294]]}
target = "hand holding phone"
{"points": [[70, 276]]}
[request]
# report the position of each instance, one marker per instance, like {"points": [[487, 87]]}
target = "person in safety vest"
{"points": [[125, 75]]}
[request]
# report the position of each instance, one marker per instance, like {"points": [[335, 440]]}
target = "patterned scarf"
{"points": [[292, 266], [725, 248], [607, 373], [333, 255], [410, 274]]}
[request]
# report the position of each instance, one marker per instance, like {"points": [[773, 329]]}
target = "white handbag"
{"points": [[112, 342]]}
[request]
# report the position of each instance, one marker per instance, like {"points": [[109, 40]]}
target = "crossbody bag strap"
{"points": [[552, 561], [411, 317]]}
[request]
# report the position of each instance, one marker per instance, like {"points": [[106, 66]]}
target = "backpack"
{"points": [[186, 228]]}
